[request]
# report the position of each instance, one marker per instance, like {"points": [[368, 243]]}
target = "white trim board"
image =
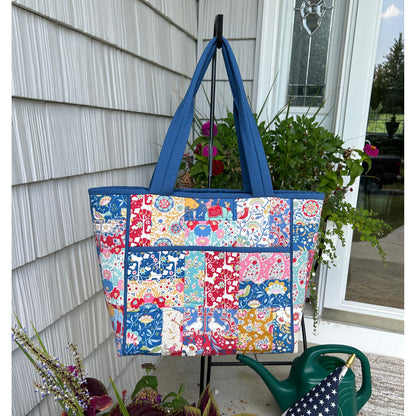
{"points": [[367, 340]]}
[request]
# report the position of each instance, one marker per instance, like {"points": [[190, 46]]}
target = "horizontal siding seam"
{"points": [[91, 237], [95, 38], [97, 107], [84, 174], [32, 337], [168, 19], [231, 39]]}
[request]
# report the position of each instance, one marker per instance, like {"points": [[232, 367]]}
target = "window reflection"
{"points": [[370, 280]]}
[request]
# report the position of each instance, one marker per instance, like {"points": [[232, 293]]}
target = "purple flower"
{"points": [[371, 150], [205, 129], [72, 369], [205, 151]]}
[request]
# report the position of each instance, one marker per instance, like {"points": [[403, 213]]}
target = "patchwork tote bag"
{"points": [[206, 271]]}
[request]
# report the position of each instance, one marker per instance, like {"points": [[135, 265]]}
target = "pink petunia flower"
{"points": [[205, 151], [205, 129], [371, 150]]}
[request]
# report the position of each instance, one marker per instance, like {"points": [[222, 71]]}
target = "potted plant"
{"points": [[303, 156], [79, 395]]}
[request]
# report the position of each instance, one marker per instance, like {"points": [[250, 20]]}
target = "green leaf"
{"points": [[120, 400], [145, 381], [196, 169], [202, 159], [179, 402], [168, 396], [355, 172], [191, 411], [38, 338], [211, 409]]}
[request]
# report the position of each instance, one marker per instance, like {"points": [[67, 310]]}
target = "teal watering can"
{"points": [[312, 367]]}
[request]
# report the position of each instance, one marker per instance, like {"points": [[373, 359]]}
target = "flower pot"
{"points": [[392, 126]]}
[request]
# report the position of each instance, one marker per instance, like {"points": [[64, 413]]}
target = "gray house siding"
{"points": [[240, 27], [95, 84]]}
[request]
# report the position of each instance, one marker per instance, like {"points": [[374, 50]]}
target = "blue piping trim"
{"points": [[212, 248], [203, 193], [291, 275], [126, 252]]}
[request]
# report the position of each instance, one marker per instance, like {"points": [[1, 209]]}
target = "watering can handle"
{"points": [[364, 393]]}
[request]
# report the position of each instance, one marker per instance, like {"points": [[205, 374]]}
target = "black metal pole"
{"points": [[218, 33]]}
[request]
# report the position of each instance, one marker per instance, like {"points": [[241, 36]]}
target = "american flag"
{"points": [[322, 400]]}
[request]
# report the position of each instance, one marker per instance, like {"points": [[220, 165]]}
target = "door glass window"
{"points": [[309, 56], [370, 280]]}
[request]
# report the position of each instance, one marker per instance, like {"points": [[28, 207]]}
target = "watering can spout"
{"points": [[281, 391]]}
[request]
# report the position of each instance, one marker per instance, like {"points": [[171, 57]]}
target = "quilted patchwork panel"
{"points": [[204, 276]]}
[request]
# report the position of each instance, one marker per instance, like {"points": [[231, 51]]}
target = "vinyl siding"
{"points": [[95, 84], [240, 27]]}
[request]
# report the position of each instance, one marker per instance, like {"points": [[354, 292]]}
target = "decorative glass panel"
{"points": [[311, 30]]}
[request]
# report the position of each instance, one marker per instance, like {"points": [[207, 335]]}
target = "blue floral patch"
{"points": [[155, 265], [106, 207], [144, 330], [282, 330], [305, 236], [270, 293]]}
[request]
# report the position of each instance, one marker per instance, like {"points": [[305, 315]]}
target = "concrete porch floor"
{"points": [[237, 389]]}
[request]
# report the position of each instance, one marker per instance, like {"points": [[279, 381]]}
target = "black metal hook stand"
{"points": [[218, 34], [218, 25]]}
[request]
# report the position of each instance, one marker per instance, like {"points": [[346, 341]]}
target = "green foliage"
{"points": [[76, 394], [175, 400], [303, 156], [388, 81], [207, 406], [84, 396], [226, 169]]}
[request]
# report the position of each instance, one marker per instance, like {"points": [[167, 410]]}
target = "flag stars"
{"points": [[322, 400]]}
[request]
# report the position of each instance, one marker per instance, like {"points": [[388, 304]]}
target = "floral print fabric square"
{"points": [[194, 278], [255, 328], [199, 209], [209, 331], [144, 330], [279, 222], [140, 220], [221, 280], [204, 276], [252, 228], [167, 221]]}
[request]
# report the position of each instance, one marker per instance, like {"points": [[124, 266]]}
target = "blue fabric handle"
{"points": [[253, 161]]}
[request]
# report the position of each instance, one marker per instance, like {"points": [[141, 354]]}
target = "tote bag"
{"points": [[206, 271]]}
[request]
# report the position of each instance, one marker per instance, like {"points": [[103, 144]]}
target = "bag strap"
{"points": [[256, 175]]}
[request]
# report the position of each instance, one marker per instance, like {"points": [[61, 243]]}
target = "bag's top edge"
{"points": [[202, 193]]}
